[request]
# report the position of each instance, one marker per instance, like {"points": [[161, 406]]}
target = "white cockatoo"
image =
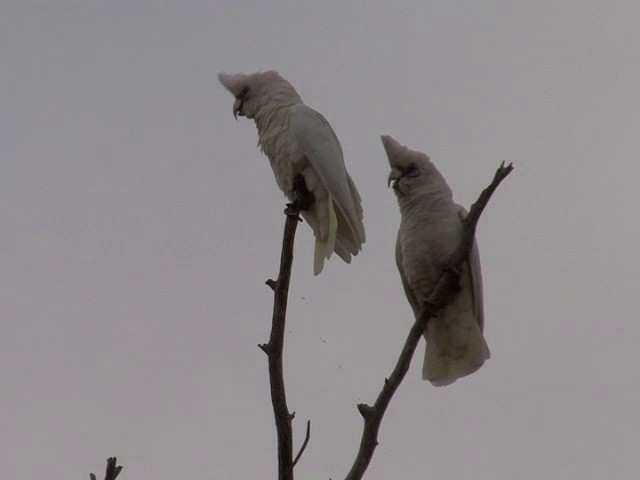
{"points": [[299, 141], [430, 231]]}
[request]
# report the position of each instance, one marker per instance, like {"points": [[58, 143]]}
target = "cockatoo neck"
{"points": [[273, 104], [424, 198], [271, 114]]}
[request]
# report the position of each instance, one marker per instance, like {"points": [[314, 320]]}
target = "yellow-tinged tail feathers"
{"points": [[325, 248], [444, 364]]}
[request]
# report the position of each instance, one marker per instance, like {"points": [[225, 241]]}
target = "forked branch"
{"points": [[113, 470]]}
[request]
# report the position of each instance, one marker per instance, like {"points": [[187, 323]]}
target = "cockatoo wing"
{"points": [[476, 276], [413, 301], [320, 145]]}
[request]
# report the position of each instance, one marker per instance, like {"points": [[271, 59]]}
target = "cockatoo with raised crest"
{"points": [[430, 231], [299, 141]]}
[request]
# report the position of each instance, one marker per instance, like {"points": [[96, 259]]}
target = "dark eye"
{"points": [[244, 94], [413, 172]]}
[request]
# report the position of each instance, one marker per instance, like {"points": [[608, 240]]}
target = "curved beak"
{"points": [[394, 175], [237, 108]]}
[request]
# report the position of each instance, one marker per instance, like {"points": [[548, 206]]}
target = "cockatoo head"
{"points": [[258, 90], [411, 172], [406, 165]]}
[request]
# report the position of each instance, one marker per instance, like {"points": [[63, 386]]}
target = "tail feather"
{"points": [[445, 362], [341, 251], [324, 249]]}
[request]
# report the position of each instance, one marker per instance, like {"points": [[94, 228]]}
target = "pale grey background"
{"points": [[139, 223]]}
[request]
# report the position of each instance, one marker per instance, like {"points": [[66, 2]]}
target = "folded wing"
{"points": [[320, 145]]}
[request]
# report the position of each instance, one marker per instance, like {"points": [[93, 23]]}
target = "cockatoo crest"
{"points": [[255, 91]]}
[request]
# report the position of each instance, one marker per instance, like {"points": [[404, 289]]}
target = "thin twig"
{"points": [[444, 289], [112, 470], [304, 444]]}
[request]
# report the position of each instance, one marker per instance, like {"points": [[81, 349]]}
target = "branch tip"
{"points": [[113, 470], [272, 284], [365, 410], [304, 443]]}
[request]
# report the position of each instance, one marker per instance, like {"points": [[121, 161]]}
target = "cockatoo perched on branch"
{"points": [[299, 141], [430, 230]]}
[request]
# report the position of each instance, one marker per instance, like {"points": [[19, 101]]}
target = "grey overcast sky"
{"points": [[139, 223]]}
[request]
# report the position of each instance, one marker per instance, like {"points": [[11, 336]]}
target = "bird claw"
{"points": [[292, 210], [455, 271], [431, 307], [302, 198]]}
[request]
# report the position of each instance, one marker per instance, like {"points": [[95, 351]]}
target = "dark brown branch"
{"points": [[112, 470], [274, 349], [302, 199], [447, 285], [304, 444]]}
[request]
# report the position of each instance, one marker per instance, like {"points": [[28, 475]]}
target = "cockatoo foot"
{"points": [[302, 198], [431, 307], [292, 210], [453, 270]]}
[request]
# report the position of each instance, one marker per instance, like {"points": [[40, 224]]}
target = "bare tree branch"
{"points": [[274, 349], [112, 470], [304, 444], [445, 288], [303, 199]]}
